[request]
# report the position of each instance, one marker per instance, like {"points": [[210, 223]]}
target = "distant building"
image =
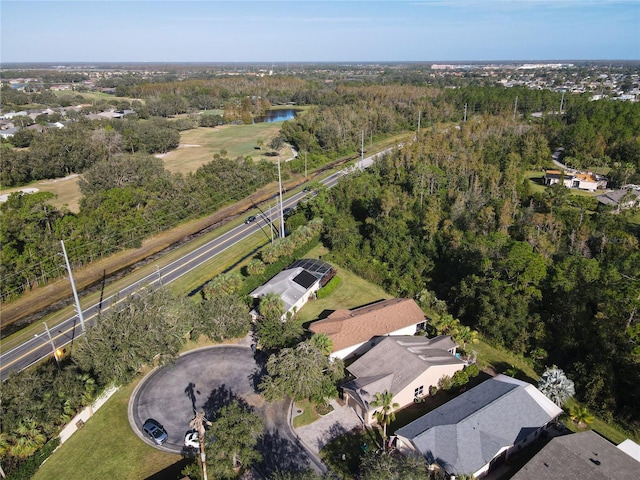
{"points": [[622, 199], [582, 181]]}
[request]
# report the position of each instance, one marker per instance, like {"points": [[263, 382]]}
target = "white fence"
{"points": [[79, 420]]}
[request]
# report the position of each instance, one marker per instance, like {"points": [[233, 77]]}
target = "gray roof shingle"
{"points": [[467, 432]]}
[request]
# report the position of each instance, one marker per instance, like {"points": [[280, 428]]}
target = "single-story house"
{"points": [[405, 366], [477, 430], [8, 132], [580, 456], [296, 284], [582, 181], [352, 331], [621, 199]]}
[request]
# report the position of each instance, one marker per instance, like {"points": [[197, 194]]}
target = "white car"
{"points": [[191, 440]]}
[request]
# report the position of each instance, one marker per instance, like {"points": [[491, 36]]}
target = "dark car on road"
{"points": [[250, 219], [155, 430], [287, 211]]}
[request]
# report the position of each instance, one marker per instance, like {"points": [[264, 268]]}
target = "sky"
{"points": [[318, 31]]}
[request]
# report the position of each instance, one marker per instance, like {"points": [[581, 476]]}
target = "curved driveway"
{"points": [[206, 379]]}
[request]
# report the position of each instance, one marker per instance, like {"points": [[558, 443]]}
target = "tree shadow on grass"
{"points": [[342, 454], [281, 453], [172, 472]]}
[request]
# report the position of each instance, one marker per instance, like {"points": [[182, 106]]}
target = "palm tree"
{"points": [[385, 415], [581, 416], [271, 306], [197, 423], [27, 439], [322, 342], [556, 386]]}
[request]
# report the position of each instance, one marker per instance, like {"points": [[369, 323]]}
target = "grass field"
{"points": [[106, 448], [197, 146]]}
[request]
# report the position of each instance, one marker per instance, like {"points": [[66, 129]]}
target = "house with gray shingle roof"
{"points": [[406, 366], [351, 331], [480, 428], [580, 456], [296, 284], [621, 199]]}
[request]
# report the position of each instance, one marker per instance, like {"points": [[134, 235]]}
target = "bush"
{"points": [[472, 370], [460, 378], [329, 287], [433, 389], [445, 383], [30, 466]]}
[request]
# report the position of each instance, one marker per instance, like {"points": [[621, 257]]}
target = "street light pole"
{"points": [[73, 288], [281, 209]]}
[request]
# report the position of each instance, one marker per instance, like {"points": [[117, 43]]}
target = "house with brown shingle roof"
{"points": [[353, 332]]}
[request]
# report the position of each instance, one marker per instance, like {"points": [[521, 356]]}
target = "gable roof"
{"points": [[396, 362], [579, 456], [352, 327], [285, 285], [466, 433], [614, 197]]}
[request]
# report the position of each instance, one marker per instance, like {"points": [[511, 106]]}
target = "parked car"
{"points": [[155, 430], [191, 439], [250, 219]]}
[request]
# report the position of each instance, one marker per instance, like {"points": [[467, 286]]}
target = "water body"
{"points": [[277, 115]]}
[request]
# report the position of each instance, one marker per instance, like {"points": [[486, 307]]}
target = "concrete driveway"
{"points": [[207, 379]]}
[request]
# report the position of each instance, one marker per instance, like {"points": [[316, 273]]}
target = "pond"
{"points": [[279, 115]]}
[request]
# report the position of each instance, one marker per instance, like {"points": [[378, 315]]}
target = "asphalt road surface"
{"points": [[205, 380], [41, 345]]}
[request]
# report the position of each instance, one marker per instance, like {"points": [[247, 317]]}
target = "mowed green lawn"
{"points": [[106, 448], [198, 146]]}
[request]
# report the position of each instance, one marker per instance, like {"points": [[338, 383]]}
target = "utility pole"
{"points": [[465, 112], [561, 102], [362, 150], [73, 288], [281, 209], [419, 117], [515, 108], [305, 165], [53, 347]]}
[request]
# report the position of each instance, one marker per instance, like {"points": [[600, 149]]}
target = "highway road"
{"points": [[42, 345]]}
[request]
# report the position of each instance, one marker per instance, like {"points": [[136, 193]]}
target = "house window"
{"points": [[418, 392]]}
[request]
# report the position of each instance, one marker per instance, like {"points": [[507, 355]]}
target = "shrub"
{"points": [[329, 287], [445, 383], [460, 378], [433, 389], [472, 370], [30, 466]]}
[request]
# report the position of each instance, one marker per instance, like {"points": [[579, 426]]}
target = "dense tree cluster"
{"points": [[546, 274], [125, 198]]}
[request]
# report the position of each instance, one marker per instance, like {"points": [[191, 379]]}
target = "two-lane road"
{"points": [[40, 346]]}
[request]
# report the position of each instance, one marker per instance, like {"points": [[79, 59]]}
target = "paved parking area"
{"points": [[203, 379], [341, 420], [207, 379]]}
